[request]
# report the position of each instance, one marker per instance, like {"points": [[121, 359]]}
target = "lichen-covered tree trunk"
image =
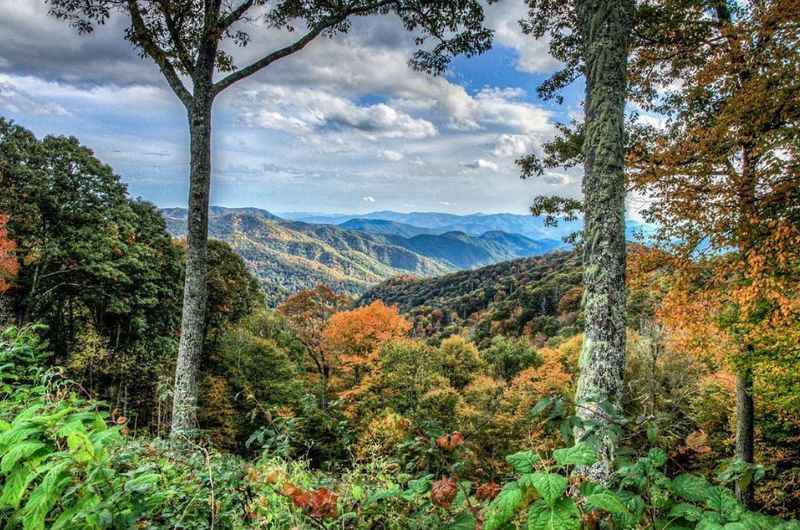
{"points": [[6, 310], [745, 406], [195, 294], [605, 27], [745, 446]]}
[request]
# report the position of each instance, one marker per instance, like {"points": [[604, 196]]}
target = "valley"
{"points": [[289, 256]]}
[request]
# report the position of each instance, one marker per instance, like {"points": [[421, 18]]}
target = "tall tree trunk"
{"points": [[6, 310], [745, 408], [744, 430], [195, 293], [605, 27]]}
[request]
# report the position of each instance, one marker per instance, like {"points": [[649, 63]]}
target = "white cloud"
{"points": [[513, 145], [16, 101], [534, 56], [368, 198], [315, 111], [392, 156], [481, 164]]}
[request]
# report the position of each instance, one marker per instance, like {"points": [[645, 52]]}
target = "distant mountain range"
{"points": [[439, 223], [288, 256]]}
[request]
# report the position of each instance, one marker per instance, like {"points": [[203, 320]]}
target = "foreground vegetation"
{"points": [[67, 463]]}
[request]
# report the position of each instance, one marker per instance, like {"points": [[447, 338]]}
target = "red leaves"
{"points": [[487, 491], [300, 497], [323, 504], [8, 261], [319, 504], [449, 442], [443, 491]]}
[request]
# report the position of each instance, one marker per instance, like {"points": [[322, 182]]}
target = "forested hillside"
{"points": [[535, 297]]}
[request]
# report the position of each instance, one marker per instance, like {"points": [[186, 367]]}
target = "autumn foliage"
{"points": [[9, 265]]}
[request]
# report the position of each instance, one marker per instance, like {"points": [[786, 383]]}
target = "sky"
{"points": [[345, 125]]}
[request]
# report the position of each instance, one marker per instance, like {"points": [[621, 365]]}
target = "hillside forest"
{"points": [[207, 368]]}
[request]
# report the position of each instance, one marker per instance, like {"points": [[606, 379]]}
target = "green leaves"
{"points": [[20, 451], [580, 454], [524, 461], [691, 487], [562, 515], [503, 508], [686, 511], [464, 521], [605, 501], [549, 486]]}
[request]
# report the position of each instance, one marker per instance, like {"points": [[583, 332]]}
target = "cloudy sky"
{"points": [[343, 126]]}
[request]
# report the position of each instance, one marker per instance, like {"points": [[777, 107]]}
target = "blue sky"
{"points": [[344, 125]]}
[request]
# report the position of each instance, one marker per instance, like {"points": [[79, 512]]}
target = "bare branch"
{"points": [[158, 55], [298, 45], [229, 19]]}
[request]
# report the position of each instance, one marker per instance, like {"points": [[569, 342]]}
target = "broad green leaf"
{"points": [[16, 485], [421, 485], [44, 497], [81, 446], [563, 515], [580, 454], [540, 406], [723, 502], [606, 501], [635, 508], [686, 511], [503, 508], [524, 461], [549, 486], [142, 483], [691, 487], [20, 451], [464, 521], [657, 457], [709, 524]]}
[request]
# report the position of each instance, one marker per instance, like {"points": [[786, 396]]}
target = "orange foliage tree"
{"points": [[308, 312], [723, 173], [354, 337], [8, 261]]}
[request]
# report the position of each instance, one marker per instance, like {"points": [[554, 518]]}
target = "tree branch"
{"points": [[298, 45], [183, 55], [229, 19], [158, 55]]}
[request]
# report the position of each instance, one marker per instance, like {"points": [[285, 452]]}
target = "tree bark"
{"points": [[745, 413], [605, 26], [195, 293], [6, 310]]}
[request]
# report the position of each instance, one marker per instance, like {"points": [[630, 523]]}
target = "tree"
{"points": [[592, 37], [353, 337], [8, 269], [722, 173], [233, 291], [99, 269], [308, 313], [185, 37], [252, 371]]}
